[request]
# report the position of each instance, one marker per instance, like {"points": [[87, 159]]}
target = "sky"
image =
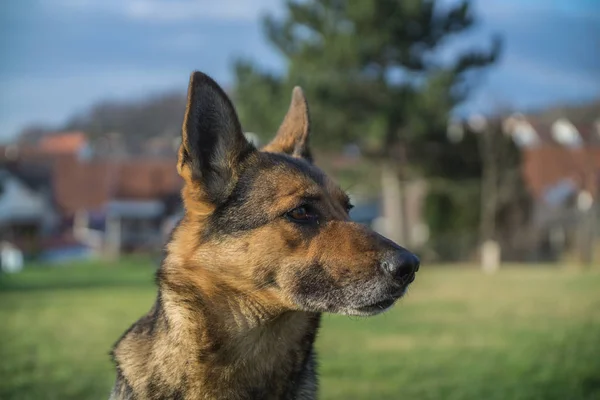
{"points": [[58, 57]]}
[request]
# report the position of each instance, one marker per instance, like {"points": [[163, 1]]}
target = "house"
{"points": [[556, 152], [561, 168], [63, 143], [125, 200], [26, 211], [91, 194]]}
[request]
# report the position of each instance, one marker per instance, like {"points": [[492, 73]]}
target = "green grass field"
{"points": [[522, 334]]}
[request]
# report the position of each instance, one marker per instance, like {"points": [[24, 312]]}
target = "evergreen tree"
{"points": [[383, 74]]}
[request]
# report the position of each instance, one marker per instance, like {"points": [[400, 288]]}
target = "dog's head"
{"points": [[270, 223]]}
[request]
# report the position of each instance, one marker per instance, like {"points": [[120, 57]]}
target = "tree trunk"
{"points": [[587, 234], [490, 248], [489, 189], [394, 207], [588, 207]]}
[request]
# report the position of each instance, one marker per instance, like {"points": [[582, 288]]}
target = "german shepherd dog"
{"points": [[265, 246]]}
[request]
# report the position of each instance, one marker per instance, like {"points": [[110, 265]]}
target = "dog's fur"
{"points": [[246, 275]]}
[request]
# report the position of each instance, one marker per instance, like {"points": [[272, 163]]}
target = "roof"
{"points": [[91, 185], [60, 143], [545, 166], [560, 157], [146, 178], [549, 133], [33, 176]]}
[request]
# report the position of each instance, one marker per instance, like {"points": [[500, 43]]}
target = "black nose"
{"points": [[401, 265]]}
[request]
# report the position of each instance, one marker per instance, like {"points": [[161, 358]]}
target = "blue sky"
{"points": [[61, 56]]}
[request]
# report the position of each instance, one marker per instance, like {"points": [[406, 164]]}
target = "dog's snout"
{"points": [[400, 264]]}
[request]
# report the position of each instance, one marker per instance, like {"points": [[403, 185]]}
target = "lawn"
{"points": [[525, 333]]}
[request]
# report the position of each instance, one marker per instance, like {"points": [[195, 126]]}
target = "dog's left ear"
{"points": [[292, 136]]}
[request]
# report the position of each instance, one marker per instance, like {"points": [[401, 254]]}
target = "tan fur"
{"points": [[238, 308], [261, 328], [292, 136]]}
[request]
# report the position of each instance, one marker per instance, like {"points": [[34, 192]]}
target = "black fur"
{"points": [[213, 137], [241, 211], [227, 341]]}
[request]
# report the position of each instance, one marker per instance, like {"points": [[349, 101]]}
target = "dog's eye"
{"points": [[302, 214], [349, 207]]}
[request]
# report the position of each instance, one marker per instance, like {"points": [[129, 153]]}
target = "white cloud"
{"points": [[168, 11]]}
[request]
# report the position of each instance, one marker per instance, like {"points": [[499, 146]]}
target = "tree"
{"points": [[505, 202], [479, 194], [383, 74], [135, 121]]}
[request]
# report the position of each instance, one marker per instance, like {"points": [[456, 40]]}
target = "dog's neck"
{"points": [[223, 314], [216, 341]]}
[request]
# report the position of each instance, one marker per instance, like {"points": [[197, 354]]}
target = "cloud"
{"points": [[170, 11], [51, 73], [64, 55], [550, 53]]}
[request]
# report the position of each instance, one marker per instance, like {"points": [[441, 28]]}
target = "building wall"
{"points": [[18, 202]]}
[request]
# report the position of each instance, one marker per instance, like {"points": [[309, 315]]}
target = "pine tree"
{"points": [[383, 74]]}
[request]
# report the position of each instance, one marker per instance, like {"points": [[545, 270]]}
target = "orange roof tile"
{"points": [[68, 142]]}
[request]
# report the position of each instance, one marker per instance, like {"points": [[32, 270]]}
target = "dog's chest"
{"points": [[163, 360], [267, 364]]}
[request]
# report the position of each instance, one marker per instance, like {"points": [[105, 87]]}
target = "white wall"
{"points": [[18, 201]]}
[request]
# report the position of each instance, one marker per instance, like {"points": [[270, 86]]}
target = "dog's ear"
{"points": [[213, 145], [292, 136]]}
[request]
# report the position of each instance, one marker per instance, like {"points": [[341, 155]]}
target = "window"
{"points": [[524, 135], [564, 133]]}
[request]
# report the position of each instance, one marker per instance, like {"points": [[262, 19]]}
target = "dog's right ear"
{"points": [[213, 145]]}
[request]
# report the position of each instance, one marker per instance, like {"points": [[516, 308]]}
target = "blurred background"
{"points": [[467, 131]]}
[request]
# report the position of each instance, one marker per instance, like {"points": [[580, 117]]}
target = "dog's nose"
{"points": [[400, 264]]}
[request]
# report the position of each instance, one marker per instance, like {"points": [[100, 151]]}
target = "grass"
{"points": [[525, 333]]}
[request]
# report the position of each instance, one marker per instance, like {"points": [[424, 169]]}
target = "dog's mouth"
{"points": [[379, 306]]}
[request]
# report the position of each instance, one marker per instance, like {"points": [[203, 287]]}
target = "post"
{"points": [[113, 236], [587, 235], [393, 205], [490, 248]]}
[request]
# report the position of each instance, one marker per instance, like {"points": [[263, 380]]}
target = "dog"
{"points": [[265, 246]]}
